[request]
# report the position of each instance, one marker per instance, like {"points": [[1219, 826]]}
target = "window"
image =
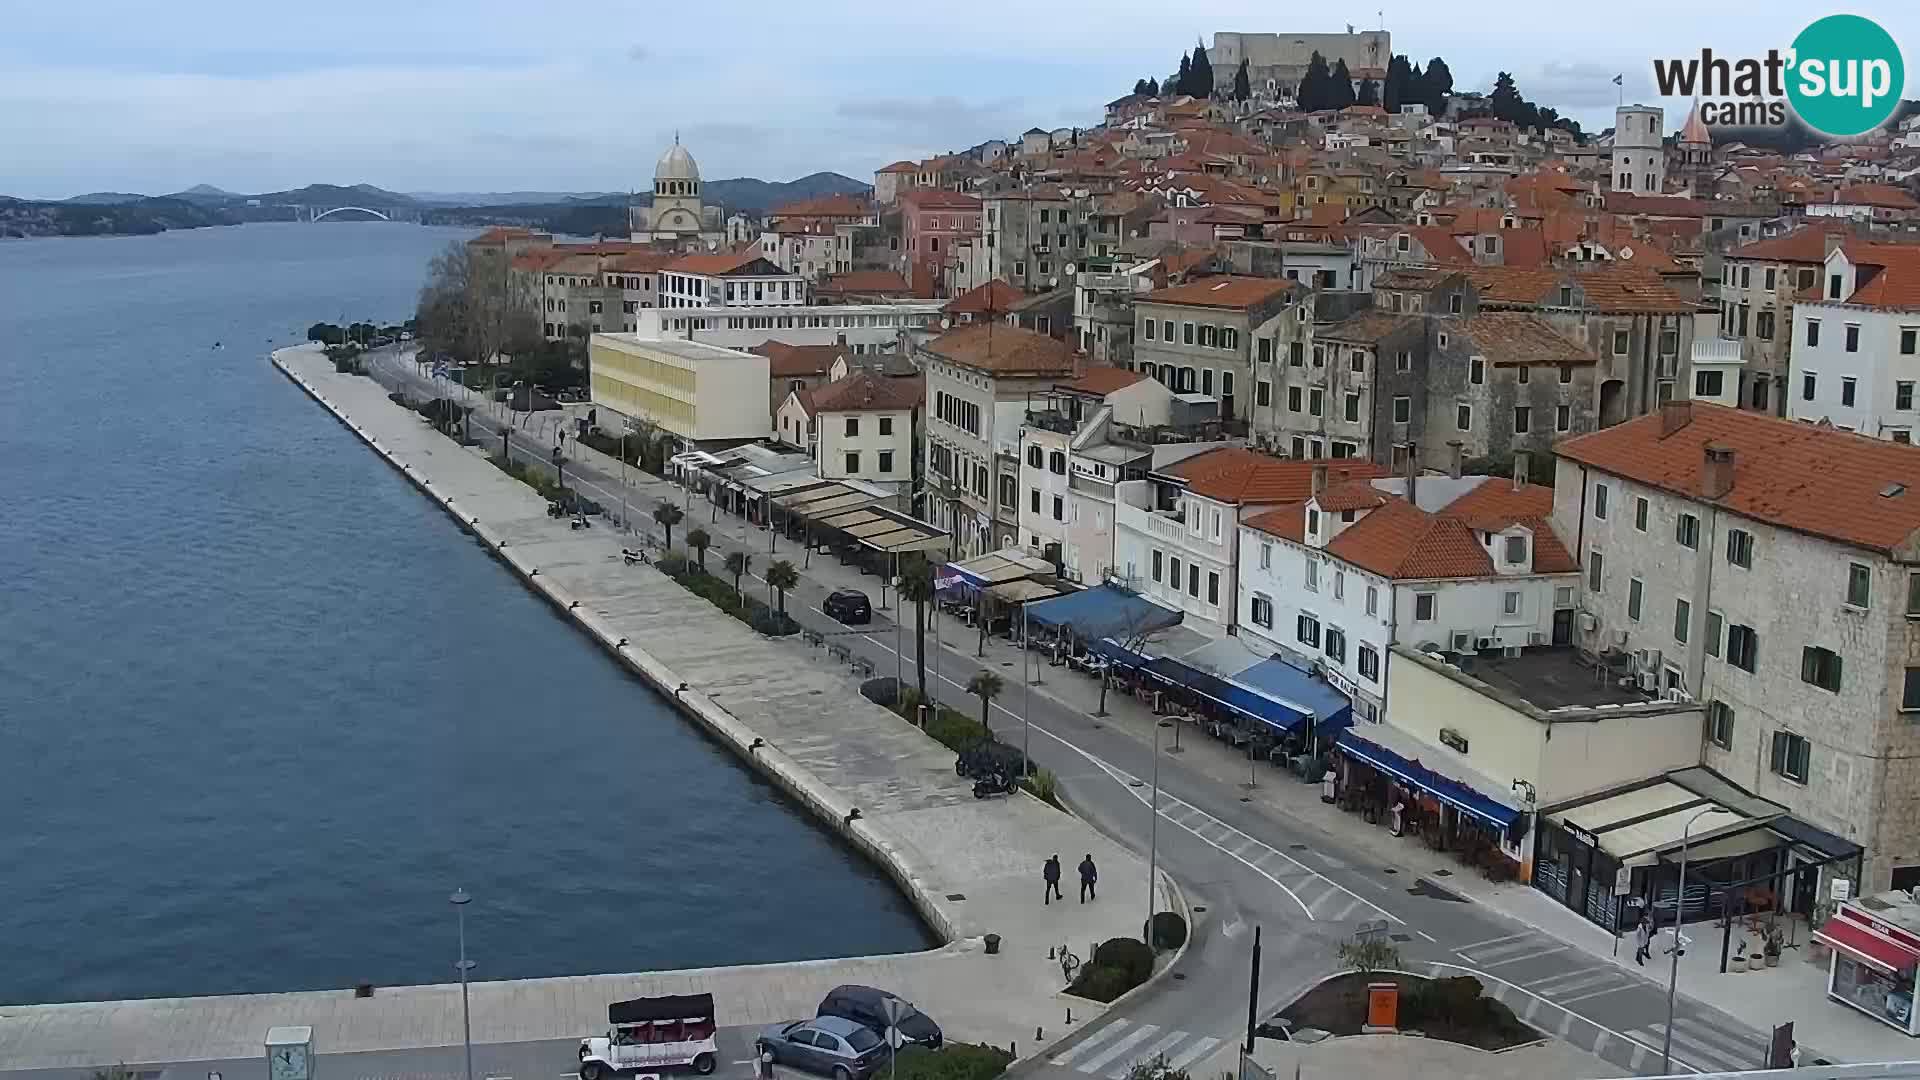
{"points": [[1263, 393], [1213, 585], [1636, 591], [1352, 409], [1740, 548], [1907, 342], [1522, 418], [1264, 348], [1595, 564], [1059, 508], [1833, 286], [1404, 361], [1193, 579], [1057, 462], [1813, 332], [1846, 391], [1207, 336], [853, 426], [1373, 600], [1266, 556], [1293, 401], [1442, 338], [1563, 418], [1913, 596], [1149, 323], [1476, 371], [1316, 401], [1229, 338], [1707, 383], [1173, 574], [1336, 645], [1296, 354], [1261, 611], [1903, 396], [1524, 375], [1619, 343], [1339, 584], [1166, 330], [1402, 409], [886, 461], [1687, 531], [1682, 620], [1859, 584], [1313, 568], [1716, 624], [1033, 500], [1186, 333], [1790, 753], [1566, 373], [853, 463], [1463, 416], [1156, 566], [886, 425], [1510, 602], [1720, 725], [1423, 606], [1369, 664], [1007, 487], [1453, 304], [1743, 647], [1600, 501], [1910, 691], [1357, 361], [1762, 324], [1307, 630]]}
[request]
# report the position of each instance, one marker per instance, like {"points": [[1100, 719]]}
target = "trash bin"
{"points": [[993, 944]]}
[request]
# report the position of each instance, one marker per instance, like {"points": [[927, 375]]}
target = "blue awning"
{"points": [[1308, 693], [1106, 611], [1242, 700], [1409, 771], [1116, 652]]}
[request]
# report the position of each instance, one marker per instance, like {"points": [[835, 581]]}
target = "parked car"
{"points": [[867, 1006], [829, 1045], [849, 606]]}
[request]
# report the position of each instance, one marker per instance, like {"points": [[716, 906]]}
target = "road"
{"points": [[1242, 866]]}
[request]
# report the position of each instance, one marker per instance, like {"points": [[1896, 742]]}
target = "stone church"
{"points": [[677, 216]]}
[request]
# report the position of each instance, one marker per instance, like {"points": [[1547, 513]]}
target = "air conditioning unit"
{"points": [[1536, 638], [1484, 643], [1588, 623], [1512, 652], [1620, 640], [1461, 641], [1649, 681], [1674, 693], [1649, 659]]}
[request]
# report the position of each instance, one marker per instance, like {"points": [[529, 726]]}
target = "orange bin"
{"points": [[1383, 1005]]}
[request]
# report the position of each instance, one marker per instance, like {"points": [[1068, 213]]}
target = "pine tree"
{"points": [[1339, 86], [1139, 86], [1399, 79], [1185, 77], [1242, 85], [1369, 93], [1313, 85], [1436, 85], [1153, 88], [1202, 72], [1505, 102]]}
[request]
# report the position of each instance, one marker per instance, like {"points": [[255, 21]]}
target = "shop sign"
{"points": [[1580, 834], [1623, 881], [1340, 682]]}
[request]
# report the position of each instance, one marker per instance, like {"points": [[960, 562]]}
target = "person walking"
{"points": [[1051, 872], [1643, 939], [1088, 875]]}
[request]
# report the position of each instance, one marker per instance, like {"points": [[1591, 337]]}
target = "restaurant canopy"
{"points": [[1312, 696], [1237, 698], [1396, 754], [1647, 821], [885, 530], [1026, 590], [990, 569], [1106, 611]]}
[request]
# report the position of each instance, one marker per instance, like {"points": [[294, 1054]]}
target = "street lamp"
{"points": [[460, 900], [1153, 834], [1673, 975], [560, 471]]}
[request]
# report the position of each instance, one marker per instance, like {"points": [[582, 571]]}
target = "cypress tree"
{"points": [[1313, 85], [1201, 72], [1242, 85], [1339, 86]]}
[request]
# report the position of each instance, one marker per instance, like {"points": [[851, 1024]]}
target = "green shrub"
{"points": [[1097, 982], [1130, 955], [1457, 1002], [1045, 786], [953, 1061], [1169, 930], [955, 730]]}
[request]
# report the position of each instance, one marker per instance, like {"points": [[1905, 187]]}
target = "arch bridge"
{"points": [[322, 214]]}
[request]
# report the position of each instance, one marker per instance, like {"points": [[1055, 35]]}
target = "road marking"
{"points": [[1718, 1059], [1165, 1044], [1098, 1035], [1133, 1038], [1523, 956], [1439, 966], [1192, 1053], [1464, 949], [1602, 992]]}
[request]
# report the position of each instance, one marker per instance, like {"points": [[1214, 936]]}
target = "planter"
{"points": [[1757, 962], [1737, 962], [1773, 959]]}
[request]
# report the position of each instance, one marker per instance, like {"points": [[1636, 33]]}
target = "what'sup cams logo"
{"points": [[1842, 76]]}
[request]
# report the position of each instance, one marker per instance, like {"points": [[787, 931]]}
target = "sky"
{"points": [[485, 95]]}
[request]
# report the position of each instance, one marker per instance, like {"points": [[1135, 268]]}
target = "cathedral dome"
{"points": [[676, 164]]}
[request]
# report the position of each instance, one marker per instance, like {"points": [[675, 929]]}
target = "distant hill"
{"points": [[750, 196], [507, 198], [206, 195], [334, 195], [138, 216], [606, 214], [104, 198]]}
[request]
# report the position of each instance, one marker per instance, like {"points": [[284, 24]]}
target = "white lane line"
{"points": [[1488, 953], [1492, 941], [1602, 992], [1570, 979], [1192, 1053], [1717, 1060], [1428, 936], [1728, 1042], [1164, 1044], [1098, 1036], [1439, 966], [1590, 979], [1134, 1038], [1521, 957]]}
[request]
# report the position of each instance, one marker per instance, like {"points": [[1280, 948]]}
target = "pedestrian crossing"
{"points": [[1114, 1048], [1705, 1047]]}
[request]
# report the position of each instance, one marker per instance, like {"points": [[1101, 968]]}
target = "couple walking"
{"points": [[1088, 876]]}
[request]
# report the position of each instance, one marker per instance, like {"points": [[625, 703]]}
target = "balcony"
{"points": [[1716, 351]]}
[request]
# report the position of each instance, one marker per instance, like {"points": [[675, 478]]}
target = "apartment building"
{"points": [[1199, 337], [1856, 336], [1103, 317], [869, 426], [1772, 571], [1036, 238], [862, 328], [934, 222], [744, 278], [1758, 285], [978, 380], [1464, 564], [705, 395]]}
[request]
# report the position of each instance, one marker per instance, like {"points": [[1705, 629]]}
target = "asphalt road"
{"points": [[1242, 866]]}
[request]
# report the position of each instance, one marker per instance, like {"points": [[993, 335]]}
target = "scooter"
{"points": [[990, 786], [579, 523], [635, 555]]}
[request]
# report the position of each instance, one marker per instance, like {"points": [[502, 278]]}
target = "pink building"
{"points": [[933, 222]]}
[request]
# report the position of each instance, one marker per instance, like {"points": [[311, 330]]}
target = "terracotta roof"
{"points": [[1351, 495], [1103, 379], [826, 206], [1237, 475], [866, 391], [1614, 289], [1891, 279], [1806, 244], [1367, 327], [805, 397], [786, 361], [1399, 540], [1412, 277], [996, 295], [936, 199], [1395, 539], [1519, 338], [1885, 196], [639, 262], [1004, 350], [1223, 291], [866, 281], [900, 167], [1810, 478], [716, 263]]}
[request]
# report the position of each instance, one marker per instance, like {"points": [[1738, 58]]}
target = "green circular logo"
{"points": [[1845, 76]]}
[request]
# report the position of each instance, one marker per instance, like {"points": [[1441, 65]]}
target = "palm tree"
{"points": [[781, 576], [700, 540], [738, 563], [986, 686], [916, 584], [668, 515]]}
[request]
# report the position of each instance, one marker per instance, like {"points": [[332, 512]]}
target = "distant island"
{"points": [[120, 213]]}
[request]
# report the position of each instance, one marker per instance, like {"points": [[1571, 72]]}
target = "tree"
{"points": [[1242, 85], [1155, 1068], [1369, 954], [781, 576], [1505, 101], [916, 585], [1435, 86], [1339, 85], [986, 686], [1134, 638], [1153, 88], [474, 308], [1369, 93], [1200, 73], [1185, 76], [738, 563], [1140, 86], [700, 540], [1313, 85], [1399, 82], [326, 334], [668, 515]]}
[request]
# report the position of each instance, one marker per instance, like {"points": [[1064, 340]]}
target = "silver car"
{"points": [[829, 1045]]}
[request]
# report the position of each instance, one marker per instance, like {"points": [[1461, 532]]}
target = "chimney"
{"points": [[1716, 475], [1408, 446], [1319, 478], [1674, 415], [1459, 462], [1833, 238], [1522, 468]]}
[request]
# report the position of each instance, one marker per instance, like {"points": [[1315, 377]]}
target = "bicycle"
{"points": [[1069, 963]]}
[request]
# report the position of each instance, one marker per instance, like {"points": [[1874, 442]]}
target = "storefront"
{"points": [[1875, 958], [1383, 776]]}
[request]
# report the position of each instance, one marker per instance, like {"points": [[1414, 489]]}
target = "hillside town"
{"points": [[1496, 430]]}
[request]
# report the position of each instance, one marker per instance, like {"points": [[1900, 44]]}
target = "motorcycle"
{"points": [[579, 523], [554, 510], [989, 786], [634, 556]]}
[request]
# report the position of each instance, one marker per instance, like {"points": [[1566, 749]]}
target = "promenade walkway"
{"points": [[971, 867]]}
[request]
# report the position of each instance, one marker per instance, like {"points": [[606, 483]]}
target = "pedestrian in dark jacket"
{"points": [[1643, 940], [1088, 875], [1051, 871]]}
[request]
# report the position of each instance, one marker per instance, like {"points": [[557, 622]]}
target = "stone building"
{"points": [[677, 214], [1277, 62], [1758, 285], [1198, 338], [1639, 156]]}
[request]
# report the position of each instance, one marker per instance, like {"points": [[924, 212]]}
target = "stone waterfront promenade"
{"points": [[971, 867]]}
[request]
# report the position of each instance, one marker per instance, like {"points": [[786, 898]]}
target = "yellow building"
{"points": [[702, 393]]}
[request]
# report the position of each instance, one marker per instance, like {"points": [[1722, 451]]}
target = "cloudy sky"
{"points": [[484, 95]]}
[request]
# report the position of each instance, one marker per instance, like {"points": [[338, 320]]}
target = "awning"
{"points": [[1242, 700], [1116, 652], [1312, 695], [1021, 592], [1107, 611], [992, 569], [1461, 797], [1866, 946]]}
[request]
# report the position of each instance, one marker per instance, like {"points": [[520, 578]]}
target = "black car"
{"points": [[849, 606], [867, 1006]]}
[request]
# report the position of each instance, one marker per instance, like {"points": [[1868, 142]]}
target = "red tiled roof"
{"points": [[937, 199], [826, 206], [1351, 495], [900, 167], [1810, 478], [1223, 291], [716, 263], [1103, 379], [1399, 540], [996, 295], [1614, 289], [1806, 244], [1517, 338], [866, 391], [866, 281], [1237, 475], [1885, 196], [786, 361], [1004, 350], [1893, 280]]}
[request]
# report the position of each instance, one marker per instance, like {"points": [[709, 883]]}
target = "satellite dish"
{"points": [[1069, 269], [1052, 281], [1626, 253]]}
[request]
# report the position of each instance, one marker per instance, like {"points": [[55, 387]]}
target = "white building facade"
{"points": [[1856, 351]]}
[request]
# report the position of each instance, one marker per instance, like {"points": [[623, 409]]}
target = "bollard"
{"points": [[1050, 952], [1069, 1016], [1036, 1034]]}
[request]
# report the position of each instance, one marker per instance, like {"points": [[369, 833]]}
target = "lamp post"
{"points": [[1153, 834], [1026, 699], [460, 900], [559, 471], [1679, 906]]}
